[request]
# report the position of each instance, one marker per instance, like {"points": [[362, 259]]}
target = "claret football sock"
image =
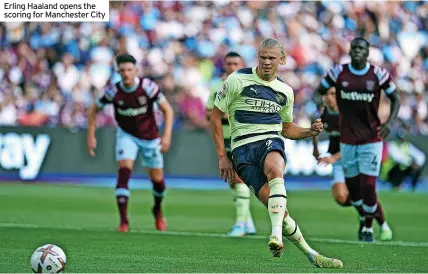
{"points": [[122, 193], [158, 194]]}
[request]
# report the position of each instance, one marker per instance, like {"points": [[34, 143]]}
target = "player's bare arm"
{"points": [[168, 113], [225, 166], [208, 113], [316, 152], [92, 140], [294, 132], [385, 129]]}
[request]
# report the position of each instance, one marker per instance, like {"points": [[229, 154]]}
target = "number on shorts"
{"points": [[374, 162]]}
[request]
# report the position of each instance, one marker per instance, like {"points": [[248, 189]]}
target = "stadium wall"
{"points": [[26, 153]]}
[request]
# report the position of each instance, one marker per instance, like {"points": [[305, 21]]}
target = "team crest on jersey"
{"points": [[326, 125], [120, 103], [280, 98], [345, 84], [222, 92], [142, 100], [370, 85]]}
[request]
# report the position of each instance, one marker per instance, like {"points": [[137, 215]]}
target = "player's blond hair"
{"points": [[272, 43]]}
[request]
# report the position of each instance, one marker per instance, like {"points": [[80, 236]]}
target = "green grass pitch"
{"points": [[82, 220]]}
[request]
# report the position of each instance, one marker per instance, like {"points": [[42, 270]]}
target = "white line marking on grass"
{"points": [[206, 234]]}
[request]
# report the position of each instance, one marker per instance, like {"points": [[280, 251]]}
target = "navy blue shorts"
{"points": [[249, 159]]}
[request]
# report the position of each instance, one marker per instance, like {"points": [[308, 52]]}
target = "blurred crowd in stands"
{"points": [[50, 73]]}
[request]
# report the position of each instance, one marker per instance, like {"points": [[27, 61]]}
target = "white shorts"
{"points": [[361, 159], [127, 147], [337, 173]]}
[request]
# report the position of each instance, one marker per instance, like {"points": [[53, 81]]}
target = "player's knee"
{"points": [[273, 171], [340, 193], [128, 164], [274, 165], [341, 198], [156, 175]]}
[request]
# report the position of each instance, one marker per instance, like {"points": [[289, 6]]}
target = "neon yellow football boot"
{"points": [[324, 262], [275, 246], [385, 234]]}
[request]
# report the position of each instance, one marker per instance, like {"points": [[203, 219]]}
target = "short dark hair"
{"points": [[125, 58], [360, 39], [232, 54]]}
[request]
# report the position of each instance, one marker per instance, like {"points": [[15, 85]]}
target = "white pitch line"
{"points": [[214, 235]]}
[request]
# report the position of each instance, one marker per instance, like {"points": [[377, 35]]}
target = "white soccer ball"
{"points": [[48, 259]]}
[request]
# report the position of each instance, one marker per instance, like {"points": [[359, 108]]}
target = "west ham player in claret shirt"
{"points": [[358, 90], [330, 119], [133, 99]]}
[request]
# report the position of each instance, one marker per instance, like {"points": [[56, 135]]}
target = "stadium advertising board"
{"points": [[26, 153]]}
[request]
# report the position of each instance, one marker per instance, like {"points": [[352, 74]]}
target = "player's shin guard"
{"points": [[368, 191], [277, 205], [158, 194], [291, 231], [242, 203], [122, 193]]}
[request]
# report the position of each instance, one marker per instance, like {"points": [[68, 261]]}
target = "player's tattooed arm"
{"points": [[92, 141], [208, 113], [225, 166], [294, 132], [316, 152], [385, 129]]}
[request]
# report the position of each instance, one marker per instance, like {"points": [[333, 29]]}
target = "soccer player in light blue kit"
{"points": [[260, 106]]}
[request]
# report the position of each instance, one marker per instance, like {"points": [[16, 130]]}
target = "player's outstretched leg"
{"points": [[122, 196], [242, 206], [156, 176], [292, 232], [372, 209]]}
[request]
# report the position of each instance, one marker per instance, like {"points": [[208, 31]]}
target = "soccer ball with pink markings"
{"points": [[48, 258]]}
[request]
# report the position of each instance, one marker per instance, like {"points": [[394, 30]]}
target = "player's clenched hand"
{"points": [[384, 130], [317, 127], [165, 144], [92, 145], [226, 169]]}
